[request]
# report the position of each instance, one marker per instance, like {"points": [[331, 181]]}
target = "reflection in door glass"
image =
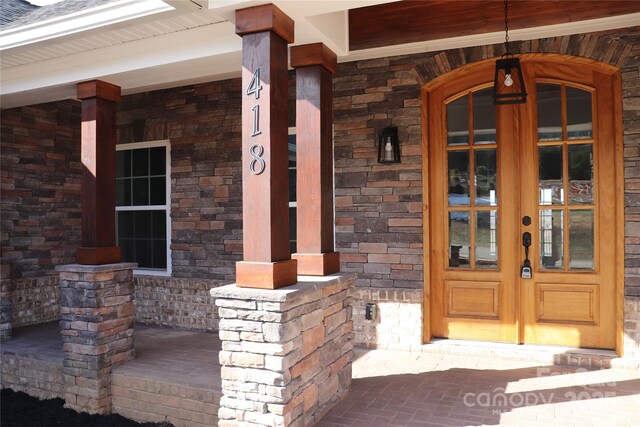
{"points": [[581, 174], [551, 239], [550, 175], [458, 164], [579, 122], [581, 238], [459, 238], [487, 239], [484, 117], [549, 112], [485, 177], [458, 121]]}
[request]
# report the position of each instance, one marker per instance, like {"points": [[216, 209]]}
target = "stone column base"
{"points": [[286, 353], [96, 322]]}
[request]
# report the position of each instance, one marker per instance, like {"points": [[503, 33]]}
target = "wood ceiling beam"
{"points": [[424, 20]]}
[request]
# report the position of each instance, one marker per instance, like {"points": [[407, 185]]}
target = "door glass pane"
{"points": [[484, 117], [581, 173], [459, 238], [487, 239], [549, 112], [458, 121], [550, 175], [579, 122], [581, 238], [551, 239], [485, 177], [458, 178]]}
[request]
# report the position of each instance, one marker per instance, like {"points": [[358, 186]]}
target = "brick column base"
{"points": [[96, 322], [6, 304], [286, 353]]}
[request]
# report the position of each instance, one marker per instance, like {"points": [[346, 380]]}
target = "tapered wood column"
{"points": [[267, 263], [314, 64], [98, 156]]}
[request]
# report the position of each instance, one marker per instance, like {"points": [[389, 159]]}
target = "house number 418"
{"points": [[257, 164]]}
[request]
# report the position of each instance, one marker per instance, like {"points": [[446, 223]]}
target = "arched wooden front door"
{"points": [[550, 168]]}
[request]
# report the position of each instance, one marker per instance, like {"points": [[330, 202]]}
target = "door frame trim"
{"points": [[471, 68]]}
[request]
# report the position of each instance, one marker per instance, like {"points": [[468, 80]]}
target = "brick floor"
{"points": [[175, 376], [393, 388]]}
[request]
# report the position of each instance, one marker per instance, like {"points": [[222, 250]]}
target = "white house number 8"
{"points": [[257, 164]]}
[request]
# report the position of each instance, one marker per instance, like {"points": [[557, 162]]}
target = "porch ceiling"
{"points": [[423, 20], [177, 42]]}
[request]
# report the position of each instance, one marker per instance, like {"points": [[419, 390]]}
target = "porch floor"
{"points": [[176, 377]]}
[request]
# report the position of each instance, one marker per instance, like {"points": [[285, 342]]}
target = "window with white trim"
{"points": [[143, 201]]}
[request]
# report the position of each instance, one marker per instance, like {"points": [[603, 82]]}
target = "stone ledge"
{"points": [[81, 268], [305, 285]]}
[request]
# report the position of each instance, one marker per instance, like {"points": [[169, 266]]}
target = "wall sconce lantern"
{"points": [[389, 146], [508, 85]]}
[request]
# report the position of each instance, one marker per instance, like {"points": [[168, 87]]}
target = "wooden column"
{"points": [[315, 64], [98, 172], [267, 263]]}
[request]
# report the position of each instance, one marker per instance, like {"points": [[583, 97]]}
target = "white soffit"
{"points": [[100, 16], [119, 34]]}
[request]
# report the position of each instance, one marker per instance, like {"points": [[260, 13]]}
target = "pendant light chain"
{"points": [[506, 26]]}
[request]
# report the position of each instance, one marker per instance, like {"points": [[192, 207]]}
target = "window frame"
{"points": [[166, 207]]}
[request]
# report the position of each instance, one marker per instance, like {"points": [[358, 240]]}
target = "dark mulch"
{"points": [[18, 409]]}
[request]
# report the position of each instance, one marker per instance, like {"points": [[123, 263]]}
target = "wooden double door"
{"points": [[545, 173]]}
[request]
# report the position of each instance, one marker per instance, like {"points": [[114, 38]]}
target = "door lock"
{"points": [[525, 271]]}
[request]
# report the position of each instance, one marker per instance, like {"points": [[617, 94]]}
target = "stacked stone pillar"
{"points": [[286, 353], [96, 322]]}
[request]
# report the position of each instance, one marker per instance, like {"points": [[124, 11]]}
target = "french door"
{"points": [[540, 175]]}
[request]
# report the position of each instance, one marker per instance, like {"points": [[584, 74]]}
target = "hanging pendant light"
{"points": [[508, 85]]}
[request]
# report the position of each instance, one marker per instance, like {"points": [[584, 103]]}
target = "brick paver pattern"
{"points": [[393, 388]]}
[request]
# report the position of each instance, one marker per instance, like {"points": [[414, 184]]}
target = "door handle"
{"points": [[525, 271]]}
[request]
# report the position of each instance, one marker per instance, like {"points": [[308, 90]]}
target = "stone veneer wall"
{"points": [[178, 303], [631, 115], [40, 187], [378, 207], [203, 123]]}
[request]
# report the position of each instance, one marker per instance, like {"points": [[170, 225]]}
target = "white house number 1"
{"points": [[257, 164]]}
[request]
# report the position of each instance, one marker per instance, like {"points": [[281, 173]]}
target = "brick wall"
{"points": [[397, 323], [181, 303], [203, 123], [32, 375], [35, 300], [40, 187]]}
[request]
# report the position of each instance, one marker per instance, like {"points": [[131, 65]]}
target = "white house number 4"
{"points": [[257, 163]]}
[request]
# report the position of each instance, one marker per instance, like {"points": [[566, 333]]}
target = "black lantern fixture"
{"points": [[389, 146], [508, 85]]}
